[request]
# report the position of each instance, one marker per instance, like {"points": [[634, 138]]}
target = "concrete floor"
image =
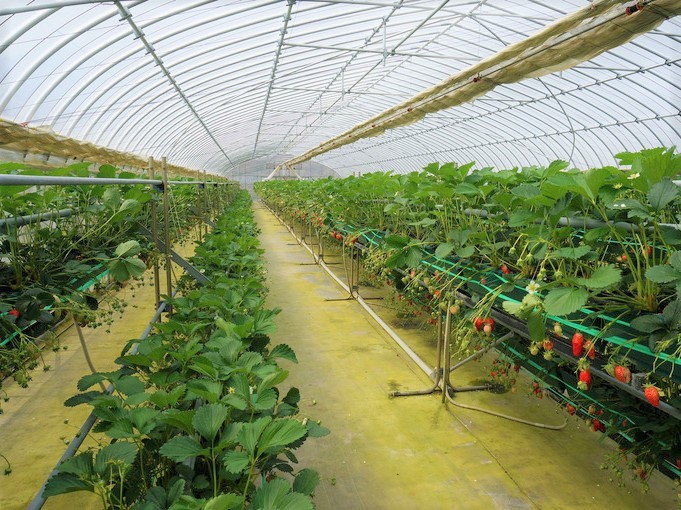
{"points": [[413, 453]]}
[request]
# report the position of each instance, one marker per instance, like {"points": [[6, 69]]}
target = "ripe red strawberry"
{"points": [[505, 269], [570, 409], [584, 380], [598, 425], [624, 257], [653, 395], [577, 344], [623, 374], [590, 349], [478, 323], [14, 312]]}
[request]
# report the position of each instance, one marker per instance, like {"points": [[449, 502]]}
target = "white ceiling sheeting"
{"points": [[211, 84]]}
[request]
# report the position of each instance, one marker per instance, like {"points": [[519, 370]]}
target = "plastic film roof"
{"points": [[211, 84]]}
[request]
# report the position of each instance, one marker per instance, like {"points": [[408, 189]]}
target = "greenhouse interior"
{"points": [[340, 254]]}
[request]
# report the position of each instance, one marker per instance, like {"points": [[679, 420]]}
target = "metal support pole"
{"points": [[438, 368], [166, 228], [206, 210], [154, 237], [199, 206]]}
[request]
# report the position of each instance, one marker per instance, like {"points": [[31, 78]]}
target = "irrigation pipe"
{"points": [[86, 353], [19, 221], [408, 350], [505, 416], [422, 365], [39, 180]]}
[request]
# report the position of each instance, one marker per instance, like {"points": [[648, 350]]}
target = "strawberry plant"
{"points": [[587, 261], [196, 412]]}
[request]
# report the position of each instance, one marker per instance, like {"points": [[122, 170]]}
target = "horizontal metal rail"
{"points": [[45, 180], [18, 221], [566, 221]]}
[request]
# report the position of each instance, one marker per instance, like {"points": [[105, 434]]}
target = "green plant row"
{"points": [[196, 415], [528, 225], [570, 254], [47, 265]]}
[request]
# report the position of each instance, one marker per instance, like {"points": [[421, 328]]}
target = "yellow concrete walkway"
{"points": [[35, 423], [415, 453]]}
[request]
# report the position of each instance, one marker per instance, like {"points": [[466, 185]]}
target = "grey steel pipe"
{"points": [[18, 221], [565, 221], [46, 180]]}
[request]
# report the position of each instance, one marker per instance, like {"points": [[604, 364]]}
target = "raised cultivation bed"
{"points": [[549, 254]]}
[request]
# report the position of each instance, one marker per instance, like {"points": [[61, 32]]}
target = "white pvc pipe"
{"points": [[408, 350]]}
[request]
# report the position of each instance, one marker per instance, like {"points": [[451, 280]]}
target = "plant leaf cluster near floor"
{"points": [[582, 266], [196, 418]]}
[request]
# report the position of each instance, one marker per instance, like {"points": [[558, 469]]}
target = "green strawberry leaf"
{"points": [[565, 300]]}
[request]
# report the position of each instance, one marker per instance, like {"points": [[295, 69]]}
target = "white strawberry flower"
{"points": [[532, 287]]}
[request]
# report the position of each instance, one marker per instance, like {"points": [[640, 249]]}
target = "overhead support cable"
{"points": [[347, 64], [287, 18], [126, 15], [52, 5], [571, 40], [389, 53]]}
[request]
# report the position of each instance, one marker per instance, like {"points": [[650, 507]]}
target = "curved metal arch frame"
{"points": [[216, 85], [159, 137], [448, 134], [439, 138], [122, 93], [185, 8], [48, 54], [584, 158], [150, 64], [112, 66], [232, 120], [497, 144]]}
